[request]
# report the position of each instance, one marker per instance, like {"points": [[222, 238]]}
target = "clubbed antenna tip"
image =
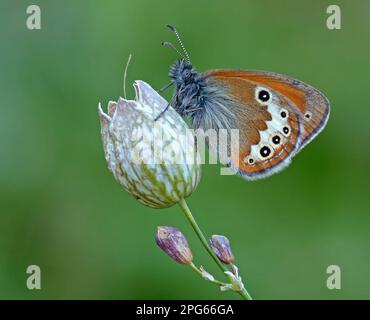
{"points": [[173, 29]]}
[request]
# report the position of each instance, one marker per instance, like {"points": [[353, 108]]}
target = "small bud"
{"points": [[173, 242], [221, 247], [206, 275], [238, 284]]}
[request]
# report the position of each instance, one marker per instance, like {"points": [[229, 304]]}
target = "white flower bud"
{"points": [[155, 161]]}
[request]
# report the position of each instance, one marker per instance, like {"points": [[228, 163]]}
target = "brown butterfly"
{"points": [[276, 115]]}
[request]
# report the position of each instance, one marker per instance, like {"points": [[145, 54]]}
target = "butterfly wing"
{"points": [[276, 115]]}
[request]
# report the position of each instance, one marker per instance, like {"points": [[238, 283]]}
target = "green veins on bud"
{"points": [[155, 161], [174, 243]]}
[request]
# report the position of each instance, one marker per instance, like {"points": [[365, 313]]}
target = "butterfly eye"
{"points": [[187, 73], [263, 96], [286, 131]]}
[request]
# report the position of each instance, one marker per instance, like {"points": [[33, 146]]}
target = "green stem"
{"points": [[184, 206]]}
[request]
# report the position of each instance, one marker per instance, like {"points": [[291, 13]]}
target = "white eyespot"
{"points": [[284, 114], [276, 139], [266, 151], [249, 160], [263, 95], [308, 116], [286, 131]]}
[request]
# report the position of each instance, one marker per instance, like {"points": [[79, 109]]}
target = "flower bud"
{"points": [[173, 242], [155, 160], [221, 247]]}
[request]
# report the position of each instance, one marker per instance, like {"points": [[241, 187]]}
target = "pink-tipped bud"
{"points": [[221, 247], [174, 243]]}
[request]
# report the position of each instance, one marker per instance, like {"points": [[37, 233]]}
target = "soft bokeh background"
{"points": [[62, 210]]}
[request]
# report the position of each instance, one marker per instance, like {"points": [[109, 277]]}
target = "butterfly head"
{"points": [[182, 73]]}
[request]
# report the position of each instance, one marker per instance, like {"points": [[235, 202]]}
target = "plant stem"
{"points": [[196, 269], [184, 206]]}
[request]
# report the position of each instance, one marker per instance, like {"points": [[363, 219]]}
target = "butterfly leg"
{"points": [[165, 87], [165, 109]]}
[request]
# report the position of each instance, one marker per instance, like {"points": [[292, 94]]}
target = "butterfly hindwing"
{"points": [[276, 116], [314, 106]]}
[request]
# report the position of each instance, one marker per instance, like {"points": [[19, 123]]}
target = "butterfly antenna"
{"points": [[173, 29], [169, 44]]}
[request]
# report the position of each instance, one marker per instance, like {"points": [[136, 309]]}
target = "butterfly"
{"points": [[276, 115]]}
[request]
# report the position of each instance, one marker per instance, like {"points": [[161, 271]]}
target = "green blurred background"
{"points": [[62, 210]]}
